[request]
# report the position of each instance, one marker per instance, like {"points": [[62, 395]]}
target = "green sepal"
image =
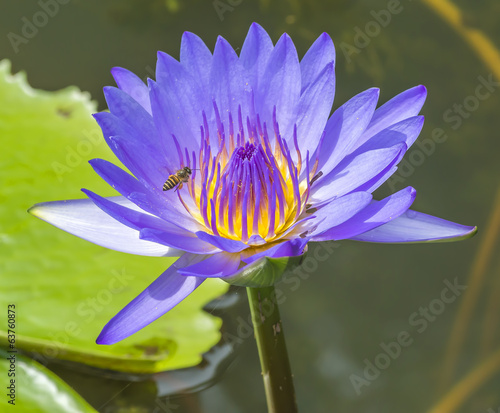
{"points": [[264, 272]]}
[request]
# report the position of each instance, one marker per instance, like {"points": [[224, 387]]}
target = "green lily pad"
{"points": [[66, 289], [33, 388]]}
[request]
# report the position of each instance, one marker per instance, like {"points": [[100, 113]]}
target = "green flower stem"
{"points": [[273, 355]]}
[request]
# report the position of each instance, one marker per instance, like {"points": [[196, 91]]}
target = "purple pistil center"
{"points": [[246, 152]]}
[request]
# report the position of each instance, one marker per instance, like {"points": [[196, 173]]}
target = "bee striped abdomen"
{"points": [[177, 179], [171, 182]]}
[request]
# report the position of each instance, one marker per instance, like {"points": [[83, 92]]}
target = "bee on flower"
{"points": [[178, 179]]}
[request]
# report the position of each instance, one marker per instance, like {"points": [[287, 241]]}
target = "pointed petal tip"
{"points": [[33, 210], [109, 89], [95, 161], [222, 46], [41, 209], [420, 93], [256, 39], [256, 25], [221, 40], [422, 89], [87, 192], [371, 95], [326, 38], [115, 70], [101, 340], [118, 70], [255, 28], [469, 232], [413, 191], [285, 37], [107, 337]]}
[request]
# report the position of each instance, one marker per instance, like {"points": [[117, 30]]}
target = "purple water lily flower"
{"points": [[270, 168]]}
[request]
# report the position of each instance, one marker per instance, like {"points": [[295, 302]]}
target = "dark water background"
{"points": [[364, 294]]}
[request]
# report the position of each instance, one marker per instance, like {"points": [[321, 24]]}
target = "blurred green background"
{"points": [[363, 295]]}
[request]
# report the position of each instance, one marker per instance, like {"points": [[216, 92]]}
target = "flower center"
{"points": [[250, 188]]}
